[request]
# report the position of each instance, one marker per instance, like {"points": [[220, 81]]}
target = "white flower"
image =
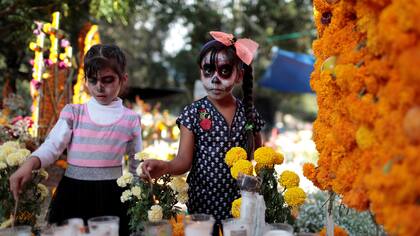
{"points": [[2, 165], [43, 190], [139, 170], [15, 159], [43, 173], [5, 151], [141, 156], [125, 179], [182, 197], [11, 144], [178, 184], [24, 152], [126, 195], [136, 190], [155, 213]]}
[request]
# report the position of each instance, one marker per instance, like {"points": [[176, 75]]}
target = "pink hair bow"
{"points": [[245, 48]]}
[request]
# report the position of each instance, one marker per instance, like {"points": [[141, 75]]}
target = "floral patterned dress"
{"points": [[211, 186]]}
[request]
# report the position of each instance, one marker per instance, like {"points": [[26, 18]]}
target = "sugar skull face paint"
{"points": [[219, 74]]}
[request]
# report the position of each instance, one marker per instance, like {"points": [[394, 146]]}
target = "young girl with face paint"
{"points": [[213, 125], [97, 135]]}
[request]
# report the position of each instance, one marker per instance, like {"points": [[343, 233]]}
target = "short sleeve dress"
{"points": [[211, 186]]}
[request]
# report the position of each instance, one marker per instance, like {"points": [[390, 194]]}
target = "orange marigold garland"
{"points": [[367, 82]]}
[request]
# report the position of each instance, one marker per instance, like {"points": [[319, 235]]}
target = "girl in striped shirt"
{"points": [[97, 135]]}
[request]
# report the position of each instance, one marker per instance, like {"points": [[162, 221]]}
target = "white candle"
{"points": [[199, 228], [278, 233]]}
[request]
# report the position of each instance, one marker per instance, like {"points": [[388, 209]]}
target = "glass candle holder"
{"points": [[104, 225], [198, 224], [157, 228], [21, 230], [279, 229], [235, 227]]}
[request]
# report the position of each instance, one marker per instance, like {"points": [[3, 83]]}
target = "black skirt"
{"points": [[86, 199]]}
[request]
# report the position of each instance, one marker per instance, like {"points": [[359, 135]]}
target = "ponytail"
{"points": [[247, 89]]}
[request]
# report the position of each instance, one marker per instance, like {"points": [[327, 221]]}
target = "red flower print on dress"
{"points": [[205, 121]]}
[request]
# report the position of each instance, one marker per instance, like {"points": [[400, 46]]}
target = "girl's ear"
{"points": [[124, 78], [239, 75]]}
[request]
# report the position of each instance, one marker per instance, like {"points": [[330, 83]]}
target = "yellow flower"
{"points": [[278, 158], [155, 213], [265, 156], [364, 137], [235, 154], [258, 167], [289, 179], [294, 196], [236, 208], [241, 166]]}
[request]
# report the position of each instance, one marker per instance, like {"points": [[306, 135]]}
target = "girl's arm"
{"points": [[179, 165], [46, 154], [56, 142], [257, 140]]}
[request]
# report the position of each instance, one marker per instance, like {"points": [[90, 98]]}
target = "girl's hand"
{"points": [[22, 175], [154, 169]]}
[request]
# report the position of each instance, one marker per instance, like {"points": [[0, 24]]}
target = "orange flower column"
{"points": [[367, 81]]}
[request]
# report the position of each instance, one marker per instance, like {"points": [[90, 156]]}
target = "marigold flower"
{"points": [[265, 156], [294, 196], [235, 154], [338, 231], [241, 166], [364, 137], [289, 179], [236, 208], [278, 158]]}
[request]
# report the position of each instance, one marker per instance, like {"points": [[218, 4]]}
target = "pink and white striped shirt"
{"points": [[94, 150]]}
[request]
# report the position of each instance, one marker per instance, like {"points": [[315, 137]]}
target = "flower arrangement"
{"points": [[152, 201], [12, 155], [367, 130], [280, 201]]}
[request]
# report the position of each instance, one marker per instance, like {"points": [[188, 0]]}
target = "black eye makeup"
{"points": [[104, 80], [224, 70]]}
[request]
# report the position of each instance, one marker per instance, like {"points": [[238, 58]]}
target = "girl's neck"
{"points": [[224, 102]]}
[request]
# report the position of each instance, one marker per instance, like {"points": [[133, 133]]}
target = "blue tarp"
{"points": [[290, 72]]}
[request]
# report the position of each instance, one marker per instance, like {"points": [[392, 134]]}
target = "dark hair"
{"points": [[215, 47], [102, 56]]}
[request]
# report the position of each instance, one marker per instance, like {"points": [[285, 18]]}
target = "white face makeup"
{"points": [[106, 88], [219, 78]]}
